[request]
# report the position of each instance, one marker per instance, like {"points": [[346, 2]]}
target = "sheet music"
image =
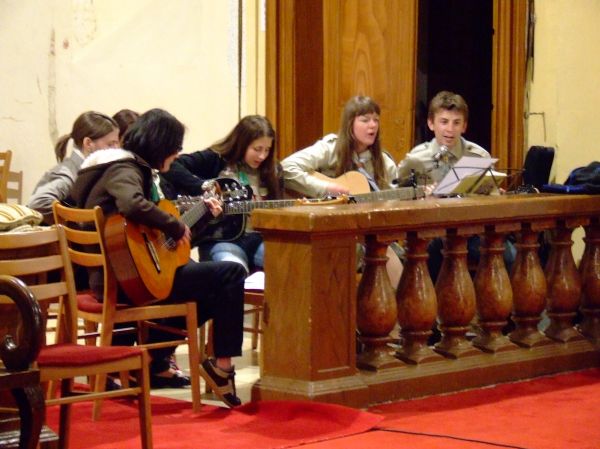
{"points": [[464, 175]]}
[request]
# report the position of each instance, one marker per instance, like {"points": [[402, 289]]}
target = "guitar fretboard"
{"points": [[192, 215], [245, 207], [401, 193]]}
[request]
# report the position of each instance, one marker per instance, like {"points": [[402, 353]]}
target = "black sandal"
{"points": [[222, 382]]}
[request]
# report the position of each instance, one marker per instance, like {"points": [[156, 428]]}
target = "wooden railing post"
{"points": [[494, 294], [529, 290], [417, 304], [376, 309], [564, 285], [589, 269], [456, 298]]}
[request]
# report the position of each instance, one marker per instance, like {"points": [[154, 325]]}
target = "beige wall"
{"points": [[564, 87], [567, 69], [62, 57]]}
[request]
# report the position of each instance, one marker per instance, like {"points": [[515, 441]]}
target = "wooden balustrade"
{"points": [[495, 326]]}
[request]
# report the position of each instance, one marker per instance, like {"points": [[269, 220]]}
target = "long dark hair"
{"points": [[154, 137], [345, 144], [89, 124], [233, 149]]}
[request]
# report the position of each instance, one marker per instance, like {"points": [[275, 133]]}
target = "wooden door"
{"points": [[321, 52]]}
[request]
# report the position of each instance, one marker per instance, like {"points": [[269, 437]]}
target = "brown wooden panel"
{"points": [[369, 50], [294, 72], [508, 78]]}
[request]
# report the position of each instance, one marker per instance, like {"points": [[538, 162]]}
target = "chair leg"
{"points": [[209, 351], [65, 415], [194, 355], [90, 327], [145, 412], [99, 387]]}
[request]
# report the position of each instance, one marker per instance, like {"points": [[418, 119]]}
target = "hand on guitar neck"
{"points": [[335, 189]]}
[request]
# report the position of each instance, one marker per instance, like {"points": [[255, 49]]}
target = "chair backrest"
{"points": [[14, 187], [83, 232], [41, 260], [5, 158], [537, 166]]}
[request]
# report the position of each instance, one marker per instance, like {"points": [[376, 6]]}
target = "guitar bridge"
{"points": [[152, 252]]}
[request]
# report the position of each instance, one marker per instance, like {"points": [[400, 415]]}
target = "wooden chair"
{"points": [[83, 229], [5, 158], [14, 187], [66, 359], [11, 182], [254, 298]]}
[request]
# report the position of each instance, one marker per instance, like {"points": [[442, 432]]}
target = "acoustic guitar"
{"points": [[360, 191], [144, 259], [237, 205]]}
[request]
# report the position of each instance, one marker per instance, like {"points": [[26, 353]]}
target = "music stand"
{"points": [[469, 175]]}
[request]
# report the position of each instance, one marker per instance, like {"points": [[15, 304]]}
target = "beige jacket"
{"points": [[321, 157]]}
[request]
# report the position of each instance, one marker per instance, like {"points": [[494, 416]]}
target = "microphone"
{"points": [[441, 154]]}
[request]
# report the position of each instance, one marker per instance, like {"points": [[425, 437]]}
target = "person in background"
{"points": [[91, 131], [125, 118], [356, 146], [122, 182], [447, 118], [246, 154]]}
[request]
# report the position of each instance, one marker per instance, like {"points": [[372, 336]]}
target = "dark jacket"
{"points": [[121, 182], [189, 171]]}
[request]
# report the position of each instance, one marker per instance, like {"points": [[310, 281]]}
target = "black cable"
{"points": [[435, 435]]}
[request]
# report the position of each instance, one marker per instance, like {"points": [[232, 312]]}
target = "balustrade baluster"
{"points": [[564, 285], [376, 309], [417, 304], [589, 269], [456, 299], [493, 293], [529, 290]]}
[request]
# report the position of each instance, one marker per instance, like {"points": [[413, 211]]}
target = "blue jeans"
{"points": [[248, 250]]}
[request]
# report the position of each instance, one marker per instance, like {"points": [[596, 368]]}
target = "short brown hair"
{"points": [[449, 101]]}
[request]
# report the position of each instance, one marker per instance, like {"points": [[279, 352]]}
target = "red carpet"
{"points": [[558, 412], [263, 425]]}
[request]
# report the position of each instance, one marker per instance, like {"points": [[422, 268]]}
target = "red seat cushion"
{"points": [[81, 355], [87, 302]]}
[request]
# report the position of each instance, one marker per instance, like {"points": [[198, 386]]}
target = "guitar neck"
{"points": [[245, 207], [401, 193], [195, 213]]}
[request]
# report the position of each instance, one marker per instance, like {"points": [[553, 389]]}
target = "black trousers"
{"points": [[218, 290]]}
